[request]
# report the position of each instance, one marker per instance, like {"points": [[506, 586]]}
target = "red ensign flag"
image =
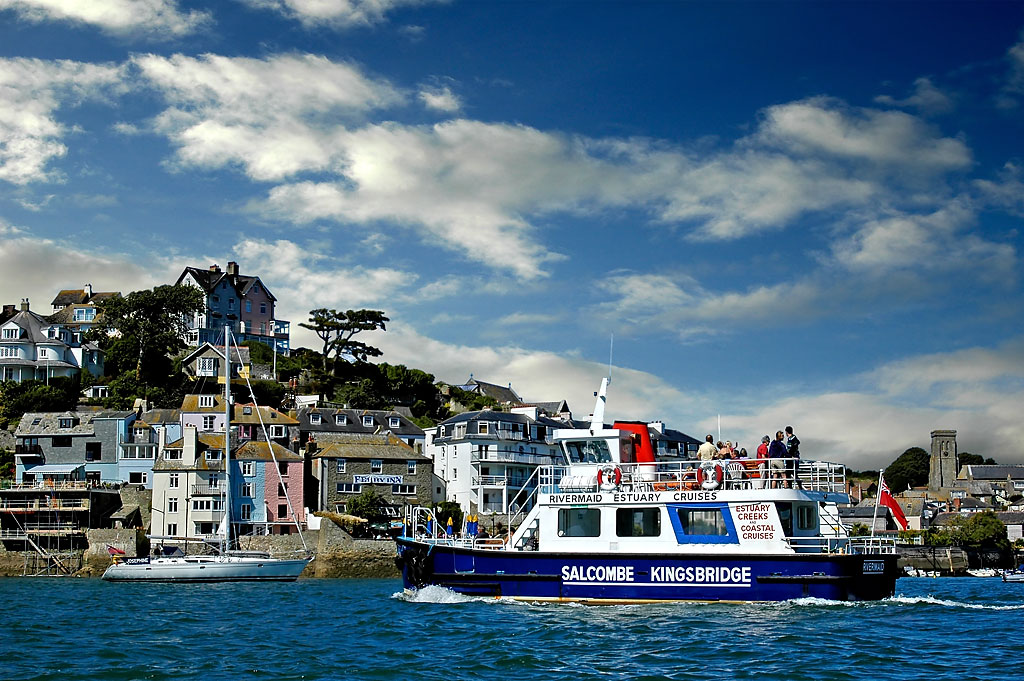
{"points": [[885, 499]]}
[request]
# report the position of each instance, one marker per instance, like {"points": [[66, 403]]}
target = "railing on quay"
{"points": [[47, 484], [51, 504], [858, 545]]}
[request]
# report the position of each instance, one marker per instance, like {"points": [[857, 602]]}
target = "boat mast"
{"points": [[227, 440]]}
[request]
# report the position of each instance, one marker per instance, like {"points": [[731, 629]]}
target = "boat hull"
{"points": [[640, 578], [206, 570]]}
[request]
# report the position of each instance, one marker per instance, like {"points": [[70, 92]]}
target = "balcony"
{"points": [[208, 490], [489, 481], [28, 451], [510, 456]]}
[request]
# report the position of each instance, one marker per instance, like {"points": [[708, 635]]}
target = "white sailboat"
{"points": [[226, 566]]}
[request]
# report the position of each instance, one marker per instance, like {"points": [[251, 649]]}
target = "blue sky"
{"points": [[785, 212]]}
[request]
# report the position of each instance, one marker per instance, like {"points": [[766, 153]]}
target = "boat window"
{"points": [[704, 522], [579, 522], [638, 522], [588, 451], [785, 517], [805, 517]]}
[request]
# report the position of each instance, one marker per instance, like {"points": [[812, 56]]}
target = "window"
{"points": [[282, 489], [411, 467], [341, 465], [67, 423], [172, 529], [207, 367], [231, 303], [11, 333], [245, 489], [214, 481], [172, 504], [93, 451], [172, 480], [247, 411], [248, 306], [368, 421], [247, 468], [137, 478], [8, 352], [340, 420], [282, 510], [403, 489], [638, 522], [213, 455], [206, 400], [276, 431], [376, 466], [705, 522], [588, 451], [245, 512], [62, 441], [263, 308], [394, 422], [805, 517], [349, 488], [314, 419], [482, 427], [579, 522], [173, 454], [282, 468], [208, 422], [205, 504]]}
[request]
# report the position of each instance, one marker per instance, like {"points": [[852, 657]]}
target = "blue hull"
{"points": [[638, 578]]}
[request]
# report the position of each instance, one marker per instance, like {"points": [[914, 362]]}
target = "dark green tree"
{"points": [[337, 329], [445, 510], [910, 469], [968, 459], [146, 328], [28, 396]]}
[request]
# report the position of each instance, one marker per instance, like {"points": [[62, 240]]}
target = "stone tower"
{"points": [[943, 468]]}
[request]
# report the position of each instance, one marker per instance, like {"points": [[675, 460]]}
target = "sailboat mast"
{"points": [[227, 439]]}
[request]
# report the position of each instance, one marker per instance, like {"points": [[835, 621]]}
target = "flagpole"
{"points": [[878, 495]]}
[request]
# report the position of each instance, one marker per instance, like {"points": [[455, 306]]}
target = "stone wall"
{"points": [[96, 559], [137, 495], [945, 559], [339, 555]]}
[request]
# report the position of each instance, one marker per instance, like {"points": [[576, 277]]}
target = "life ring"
{"points": [[710, 475], [609, 478]]}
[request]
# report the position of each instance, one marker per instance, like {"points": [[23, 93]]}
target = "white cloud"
{"points": [[337, 13], [38, 268], [528, 319], [822, 127], [153, 18], [440, 99], [32, 91], [302, 278], [1007, 191], [926, 97]]}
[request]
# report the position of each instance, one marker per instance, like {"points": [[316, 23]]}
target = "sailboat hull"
{"points": [[206, 569]]}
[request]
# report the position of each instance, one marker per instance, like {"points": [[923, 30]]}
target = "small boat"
{"points": [[982, 572], [172, 565], [1014, 575], [610, 524]]}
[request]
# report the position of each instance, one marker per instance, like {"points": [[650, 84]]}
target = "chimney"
{"points": [[24, 304], [232, 268], [310, 445], [8, 311], [215, 267], [87, 289]]}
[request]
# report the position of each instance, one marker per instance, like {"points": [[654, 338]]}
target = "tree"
{"points": [[18, 398], [910, 469], [148, 326], [968, 459], [445, 510], [336, 330]]}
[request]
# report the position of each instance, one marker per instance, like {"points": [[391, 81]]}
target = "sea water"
{"points": [[70, 629]]}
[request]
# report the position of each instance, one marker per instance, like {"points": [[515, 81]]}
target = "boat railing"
{"points": [[842, 545], [818, 476], [421, 524]]}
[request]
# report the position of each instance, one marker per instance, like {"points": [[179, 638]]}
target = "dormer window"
{"points": [[482, 428], [340, 420], [206, 400], [247, 411], [11, 332], [368, 421], [213, 455], [394, 422], [67, 423], [314, 419]]}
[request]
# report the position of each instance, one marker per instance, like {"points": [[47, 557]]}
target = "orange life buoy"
{"points": [[609, 478], [710, 475]]}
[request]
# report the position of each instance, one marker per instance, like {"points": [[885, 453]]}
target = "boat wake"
{"points": [[931, 600], [434, 594]]}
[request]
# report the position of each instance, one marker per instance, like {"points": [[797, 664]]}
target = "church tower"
{"points": [[943, 468]]}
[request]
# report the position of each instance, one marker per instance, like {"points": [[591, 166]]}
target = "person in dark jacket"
{"points": [[793, 449], [777, 461]]}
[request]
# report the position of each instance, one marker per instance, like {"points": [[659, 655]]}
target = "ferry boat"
{"points": [[610, 524]]}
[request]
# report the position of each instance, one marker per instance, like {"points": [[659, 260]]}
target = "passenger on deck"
{"points": [[777, 462], [707, 451]]}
